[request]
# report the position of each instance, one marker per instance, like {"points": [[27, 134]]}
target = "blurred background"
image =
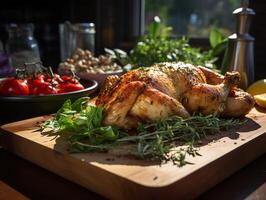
{"points": [[118, 22], [193, 18]]}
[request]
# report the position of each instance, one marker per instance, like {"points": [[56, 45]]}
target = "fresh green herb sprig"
{"points": [[156, 46], [167, 50], [170, 139], [79, 122], [159, 140]]}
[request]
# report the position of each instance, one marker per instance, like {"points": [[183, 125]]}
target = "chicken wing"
{"points": [[120, 103], [152, 105]]}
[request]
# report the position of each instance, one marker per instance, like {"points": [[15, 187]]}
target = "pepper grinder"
{"points": [[239, 55]]}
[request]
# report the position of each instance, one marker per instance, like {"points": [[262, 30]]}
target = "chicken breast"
{"points": [[165, 89]]}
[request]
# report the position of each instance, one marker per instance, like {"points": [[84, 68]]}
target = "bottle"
{"points": [[5, 69], [21, 46], [239, 55]]}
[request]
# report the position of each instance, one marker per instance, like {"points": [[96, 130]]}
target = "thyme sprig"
{"points": [[159, 140]]}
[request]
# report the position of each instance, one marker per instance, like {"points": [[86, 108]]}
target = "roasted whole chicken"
{"points": [[165, 89]]}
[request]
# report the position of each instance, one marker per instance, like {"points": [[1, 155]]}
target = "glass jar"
{"points": [[21, 46], [74, 36], [84, 37]]}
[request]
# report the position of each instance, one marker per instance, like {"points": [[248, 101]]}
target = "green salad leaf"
{"points": [[80, 122]]}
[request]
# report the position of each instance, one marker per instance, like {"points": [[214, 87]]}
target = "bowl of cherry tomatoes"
{"points": [[43, 93]]}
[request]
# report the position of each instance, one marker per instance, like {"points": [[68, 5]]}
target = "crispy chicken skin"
{"points": [[166, 89]]}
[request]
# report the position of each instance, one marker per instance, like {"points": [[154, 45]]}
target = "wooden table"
{"points": [[37, 183], [6, 192]]}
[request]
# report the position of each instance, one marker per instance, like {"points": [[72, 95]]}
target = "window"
{"points": [[193, 17]]}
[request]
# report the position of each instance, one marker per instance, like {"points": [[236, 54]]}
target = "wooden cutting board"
{"points": [[120, 177]]}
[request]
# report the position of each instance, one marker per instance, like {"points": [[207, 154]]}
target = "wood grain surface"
{"points": [[121, 177], [7, 193]]}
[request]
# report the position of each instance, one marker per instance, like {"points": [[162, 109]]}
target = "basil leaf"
{"points": [[66, 106], [103, 135], [78, 104]]}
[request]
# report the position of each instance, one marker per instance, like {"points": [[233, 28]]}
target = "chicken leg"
{"points": [[238, 103], [208, 99]]}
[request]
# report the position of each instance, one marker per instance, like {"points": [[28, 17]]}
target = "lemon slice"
{"points": [[258, 87], [261, 99]]}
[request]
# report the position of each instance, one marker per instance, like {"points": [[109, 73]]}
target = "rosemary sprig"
{"points": [[170, 139], [158, 140]]}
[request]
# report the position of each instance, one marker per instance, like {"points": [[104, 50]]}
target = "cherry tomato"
{"points": [[58, 78], [69, 87], [66, 78], [40, 77], [13, 87], [37, 82], [55, 79], [44, 89]]}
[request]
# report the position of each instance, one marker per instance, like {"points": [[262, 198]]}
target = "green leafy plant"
{"points": [[78, 121], [216, 37], [155, 47], [158, 29], [218, 44]]}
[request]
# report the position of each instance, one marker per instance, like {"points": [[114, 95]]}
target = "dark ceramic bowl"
{"points": [[14, 108]]}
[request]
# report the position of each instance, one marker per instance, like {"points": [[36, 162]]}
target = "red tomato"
{"points": [[69, 87], [58, 78], [55, 79], [66, 78], [37, 82], [43, 89], [13, 87], [40, 77]]}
